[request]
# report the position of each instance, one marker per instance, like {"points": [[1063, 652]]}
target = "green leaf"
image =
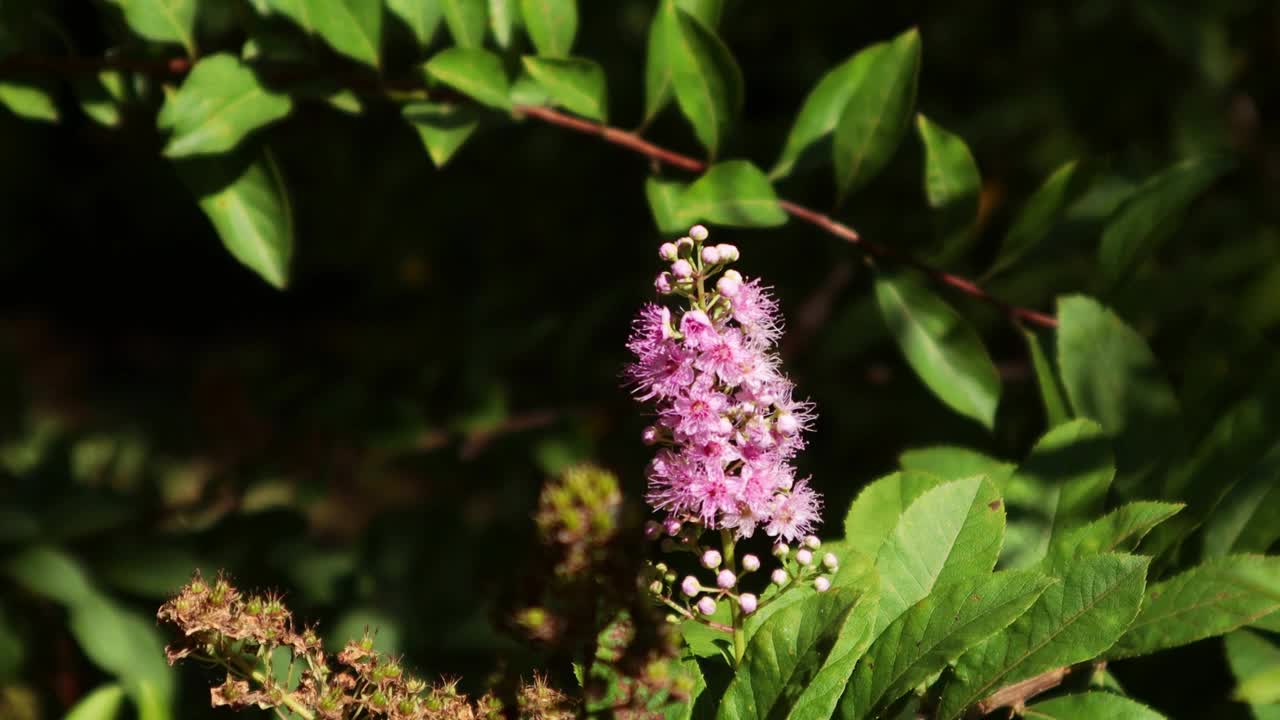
{"points": [[664, 202], [733, 193], [352, 27], [51, 573], [504, 18], [1052, 394], [935, 631], [125, 644], [248, 205], [422, 17], [101, 704], [551, 25], [219, 104], [467, 20], [809, 141], [162, 20], [574, 83], [1039, 216], [1120, 530], [877, 113], [476, 73], [950, 532], [1072, 621], [704, 77], [1207, 600], [103, 96], [1248, 519], [953, 462], [1261, 688], [29, 99], [788, 652], [952, 185], [153, 571], [875, 512], [12, 649], [940, 346], [1112, 377], [1091, 706], [1249, 654], [659, 71], [819, 696], [442, 127], [1152, 213]]}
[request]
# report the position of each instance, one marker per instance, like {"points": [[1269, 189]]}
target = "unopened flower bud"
{"points": [[711, 255], [652, 530], [682, 269], [668, 252], [649, 435], [655, 587], [684, 246], [707, 605], [732, 274], [689, 586], [813, 542], [750, 563], [663, 283], [672, 526], [787, 424], [711, 559], [747, 602], [804, 557], [726, 579], [728, 287], [779, 577], [698, 232], [822, 584], [830, 561], [780, 550], [728, 253]]}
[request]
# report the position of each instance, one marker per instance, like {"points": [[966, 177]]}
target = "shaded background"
{"points": [[371, 441]]}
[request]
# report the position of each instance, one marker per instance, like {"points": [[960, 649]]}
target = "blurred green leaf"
{"points": [[1052, 394], [30, 99], [809, 141], [52, 573], [1261, 688], [704, 76], [875, 511], [219, 104], [1091, 705], [1152, 213], [103, 96], [504, 18], [577, 85], [877, 113], [659, 72], [664, 202], [128, 646], [952, 185], [154, 571], [1119, 530], [1073, 620], [352, 27], [733, 193], [12, 649], [422, 17], [940, 346], [1248, 519], [1248, 654], [1039, 216], [467, 21], [551, 25], [442, 127], [353, 624], [476, 73], [101, 704], [162, 20]]}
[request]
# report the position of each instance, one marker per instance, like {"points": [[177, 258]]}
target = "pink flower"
{"points": [[757, 313], [697, 329], [795, 513]]}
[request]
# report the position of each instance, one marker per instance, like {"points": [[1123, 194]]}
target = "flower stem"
{"points": [[739, 634]]}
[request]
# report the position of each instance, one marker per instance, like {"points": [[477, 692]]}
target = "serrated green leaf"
{"points": [[248, 205], [1111, 376], [351, 27], [934, 632], [476, 73], [1207, 600], [1073, 620], [162, 20], [819, 696], [504, 18], [733, 193], [29, 99], [1038, 216], [575, 84], [467, 21], [442, 127], [1052, 394], [658, 70], [552, 25], [101, 704], [809, 141], [877, 113], [1248, 519], [875, 512], [788, 652], [952, 185], [1119, 530], [1152, 213], [1091, 706], [219, 104], [422, 17], [664, 202], [940, 346], [704, 77]]}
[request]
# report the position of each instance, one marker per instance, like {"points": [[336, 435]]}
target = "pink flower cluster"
{"points": [[727, 419]]}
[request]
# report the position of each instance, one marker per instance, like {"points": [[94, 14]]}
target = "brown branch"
{"points": [[621, 138]]}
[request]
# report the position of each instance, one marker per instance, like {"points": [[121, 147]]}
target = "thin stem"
{"points": [[739, 633]]}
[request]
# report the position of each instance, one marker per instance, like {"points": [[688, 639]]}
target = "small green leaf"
{"points": [[103, 96], [809, 141], [1073, 620], [952, 185], [1112, 377], [442, 127], [1091, 706], [219, 104], [704, 76], [877, 113], [248, 205], [1153, 212], [51, 573], [467, 20], [30, 99], [658, 69], [551, 24], [476, 73], [504, 18], [170, 21], [351, 27], [1052, 394], [664, 202], [1120, 530], [1039, 216], [1207, 600], [422, 17], [943, 349], [573, 83], [1248, 519], [733, 193], [875, 512], [101, 704]]}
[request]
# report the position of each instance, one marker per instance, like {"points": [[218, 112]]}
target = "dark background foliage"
{"points": [[371, 440]]}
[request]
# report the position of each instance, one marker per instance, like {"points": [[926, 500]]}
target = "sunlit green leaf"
{"points": [[664, 202], [1038, 217], [443, 127], [551, 24], [809, 142], [422, 17], [101, 704], [504, 18], [733, 193], [1119, 530], [573, 83], [1091, 706], [878, 112], [352, 27], [162, 20], [659, 72], [952, 185], [1249, 654], [875, 512], [704, 76], [467, 21], [219, 104], [476, 73], [30, 99]]}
